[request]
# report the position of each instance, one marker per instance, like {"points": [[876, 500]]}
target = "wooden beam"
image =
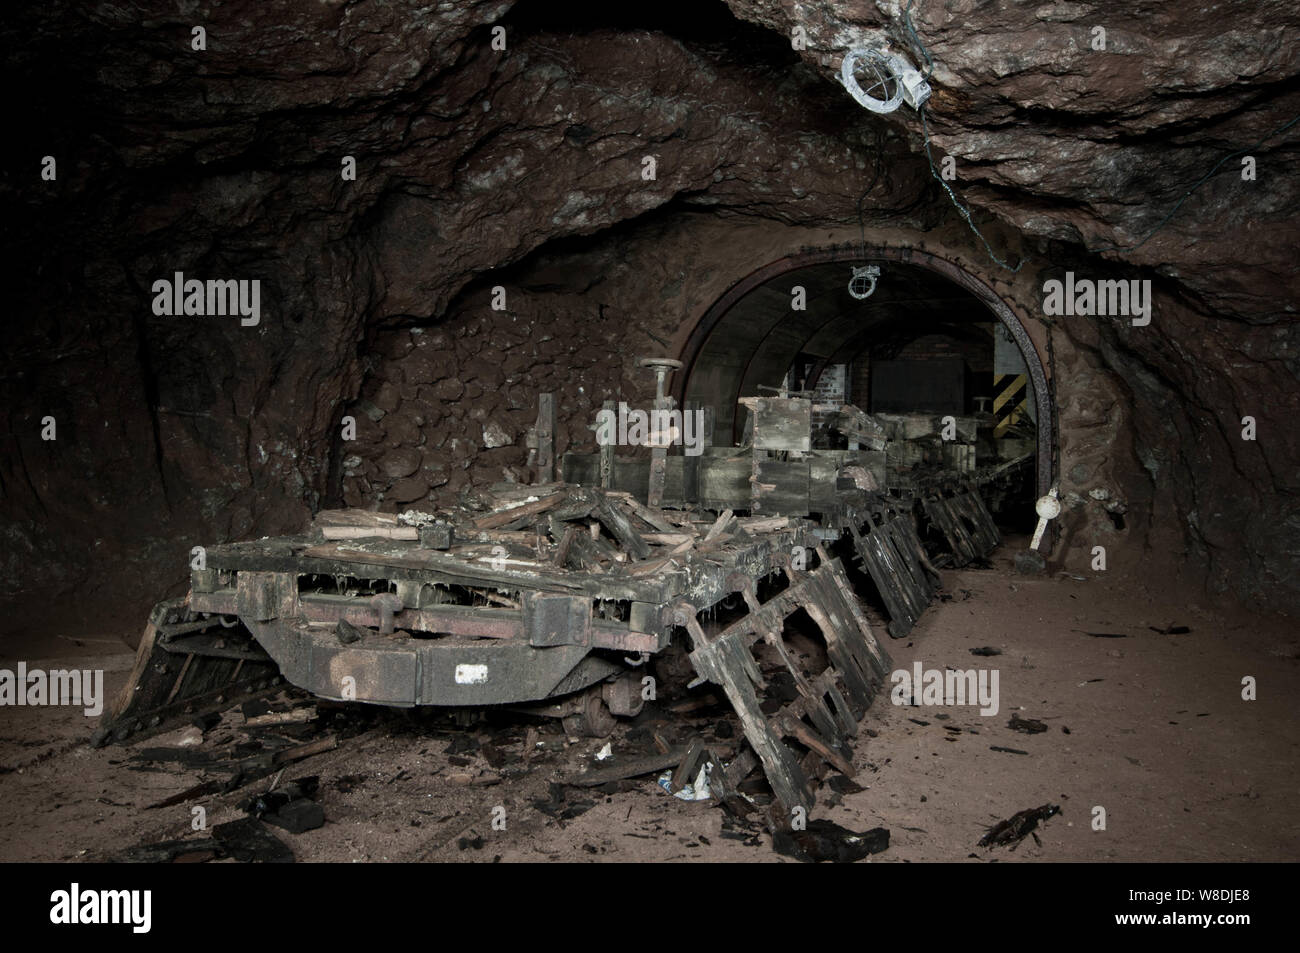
{"points": [[545, 438], [510, 514]]}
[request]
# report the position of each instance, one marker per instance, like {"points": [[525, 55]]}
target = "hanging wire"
{"points": [[862, 228], [1109, 246], [925, 129], [965, 212], [911, 31], [1051, 402]]}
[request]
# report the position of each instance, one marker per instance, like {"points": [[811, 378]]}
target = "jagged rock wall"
{"points": [[226, 163], [1092, 145], [640, 293]]}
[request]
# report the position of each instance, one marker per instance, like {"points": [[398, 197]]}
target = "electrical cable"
{"points": [[1110, 246], [862, 228], [907, 25], [965, 212], [925, 129]]}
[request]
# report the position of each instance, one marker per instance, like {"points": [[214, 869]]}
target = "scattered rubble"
{"points": [[825, 840], [1027, 725], [1013, 830], [552, 597]]}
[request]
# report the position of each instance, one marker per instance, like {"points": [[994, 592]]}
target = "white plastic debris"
{"points": [[605, 752], [697, 791], [189, 738], [416, 518]]}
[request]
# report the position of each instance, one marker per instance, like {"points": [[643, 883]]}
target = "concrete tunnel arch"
{"points": [[795, 335]]}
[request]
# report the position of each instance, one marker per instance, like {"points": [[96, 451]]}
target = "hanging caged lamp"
{"points": [[863, 282]]}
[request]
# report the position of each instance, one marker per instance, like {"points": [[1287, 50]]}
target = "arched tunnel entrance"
{"points": [[932, 338]]}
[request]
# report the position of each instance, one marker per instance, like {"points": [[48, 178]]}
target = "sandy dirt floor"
{"points": [[1151, 727]]}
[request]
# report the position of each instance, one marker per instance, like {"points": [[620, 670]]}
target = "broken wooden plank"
{"points": [[649, 566], [720, 526], [521, 492], [512, 513], [740, 767], [689, 766], [296, 717], [621, 528], [654, 518], [632, 768], [607, 550], [545, 437], [251, 769], [607, 452], [361, 524], [763, 524], [810, 739], [668, 539], [456, 570], [565, 546], [368, 532], [584, 552], [308, 750]]}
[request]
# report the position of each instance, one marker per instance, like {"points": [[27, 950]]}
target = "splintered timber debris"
{"points": [[1013, 830], [551, 598]]}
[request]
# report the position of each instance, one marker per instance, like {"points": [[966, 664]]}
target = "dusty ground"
{"points": [[1151, 727]]}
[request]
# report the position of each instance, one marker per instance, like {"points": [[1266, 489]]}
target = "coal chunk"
{"points": [[297, 816], [845, 785], [825, 840], [248, 841], [290, 807], [1028, 562], [206, 722], [1018, 826], [1029, 726], [254, 707]]}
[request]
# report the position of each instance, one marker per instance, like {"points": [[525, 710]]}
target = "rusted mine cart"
{"points": [[555, 597], [561, 598]]}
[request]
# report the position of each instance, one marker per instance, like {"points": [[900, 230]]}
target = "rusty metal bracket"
{"points": [[556, 619]]}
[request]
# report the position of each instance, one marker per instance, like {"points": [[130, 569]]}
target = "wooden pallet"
{"points": [[964, 521], [804, 738], [185, 666], [890, 552]]}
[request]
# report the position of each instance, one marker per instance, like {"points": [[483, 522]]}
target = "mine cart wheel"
{"points": [[593, 719]]}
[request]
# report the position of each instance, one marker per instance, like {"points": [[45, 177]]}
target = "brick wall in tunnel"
{"points": [[977, 355]]}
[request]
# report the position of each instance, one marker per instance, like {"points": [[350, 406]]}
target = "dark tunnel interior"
{"points": [[353, 358]]}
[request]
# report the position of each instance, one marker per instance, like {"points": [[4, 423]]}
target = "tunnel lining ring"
{"points": [[1045, 476]]}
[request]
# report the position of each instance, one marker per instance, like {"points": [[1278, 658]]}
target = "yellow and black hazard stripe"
{"points": [[1010, 394]]}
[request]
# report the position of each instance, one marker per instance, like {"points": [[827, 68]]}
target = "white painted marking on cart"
{"points": [[471, 674]]}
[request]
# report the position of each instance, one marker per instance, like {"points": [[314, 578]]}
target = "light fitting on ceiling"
{"points": [[863, 282], [891, 80]]}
